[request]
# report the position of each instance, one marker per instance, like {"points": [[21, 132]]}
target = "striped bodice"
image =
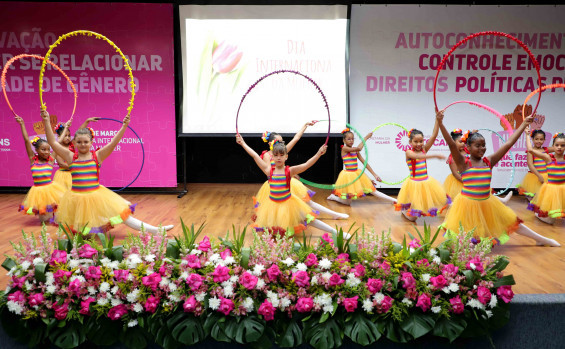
{"points": [[540, 165], [476, 183], [278, 190], [85, 175], [350, 162], [418, 169], [556, 172], [41, 173]]}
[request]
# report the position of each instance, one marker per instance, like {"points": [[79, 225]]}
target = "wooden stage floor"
{"points": [[536, 269]]}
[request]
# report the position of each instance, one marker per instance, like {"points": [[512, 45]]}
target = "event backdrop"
{"points": [[144, 33], [395, 50]]}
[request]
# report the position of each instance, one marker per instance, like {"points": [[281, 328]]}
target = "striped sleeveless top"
{"points": [[418, 169], [539, 164], [85, 175], [476, 181], [279, 191], [556, 171], [41, 173], [350, 162]]}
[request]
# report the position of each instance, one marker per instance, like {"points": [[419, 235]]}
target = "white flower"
{"points": [[228, 283], [174, 298], [138, 308], [183, 275], [102, 301], [407, 301], [115, 289], [34, 252], [433, 252], [8, 289], [229, 260], [215, 258], [474, 303], [323, 299], [133, 261], [412, 250], [248, 304], [368, 305], [436, 310], [50, 279], [37, 260], [15, 307], [113, 265], [352, 280], [73, 263], [196, 252], [200, 296], [214, 303], [234, 279], [314, 280], [437, 260], [51, 289], [325, 263], [473, 266], [493, 301], [326, 276], [453, 287], [79, 277], [172, 287], [228, 290], [164, 282], [258, 269], [285, 302], [184, 262], [328, 308], [115, 301], [425, 277], [104, 287], [132, 296], [105, 261], [446, 290], [489, 313], [288, 261], [378, 297], [28, 285], [301, 267], [149, 271], [91, 290], [132, 323], [260, 284]]}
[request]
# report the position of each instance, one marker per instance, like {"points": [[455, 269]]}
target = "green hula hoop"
{"points": [[402, 127], [333, 186]]}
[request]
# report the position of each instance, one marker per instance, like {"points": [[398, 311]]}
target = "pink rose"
{"points": [[374, 285], [151, 304], [193, 261], [61, 276], [311, 260], [342, 258], [327, 238], [350, 304], [18, 281], [226, 306], [336, 280], [61, 310], [151, 280], [225, 57], [248, 280], [190, 304], [93, 273], [505, 292], [359, 271], [438, 282], [273, 272], [304, 304], [18, 297], [476, 262], [385, 305], [121, 275], [117, 312], [204, 245], [408, 280], [86, 251], [221, 274], [424, 302], [483, 294], [301, 279], [194, 281], [450, 270], [75, 286], [85, 306], [267, 310], [225, 253], [385, 267], [35, 299], [457, 306], [59, 257], [423, 262], [415, 244]]}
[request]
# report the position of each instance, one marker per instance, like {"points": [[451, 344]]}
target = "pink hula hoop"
{"points": [[507, 125], [292, 72], [530, 54], [538, 90]]}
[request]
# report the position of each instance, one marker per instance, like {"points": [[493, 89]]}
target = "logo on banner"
{"points": [[401, 140]]}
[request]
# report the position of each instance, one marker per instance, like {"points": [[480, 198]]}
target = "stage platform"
{"points": [[537, 270]]}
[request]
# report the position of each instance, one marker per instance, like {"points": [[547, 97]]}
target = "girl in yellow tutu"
{"points": [[537, 175], [89, 206], [63, 174], [475, 208], [361, 186], [421, 195], [549, 202], [283, 212], [44, 196], [297, 188]]}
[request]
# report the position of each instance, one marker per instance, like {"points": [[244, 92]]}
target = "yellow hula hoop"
{"points": [[98, 36]]}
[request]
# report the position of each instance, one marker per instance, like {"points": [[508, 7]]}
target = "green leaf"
{"points": [[63, 244], [449, 328], [165, 339], [249, 330], [418, 324], [469, 277], [443, 255], [118, 253], [173, 250], [353, 251], [244, 261], [102, 331], [8, 264], [505, 281], [189, 331], [500, 265], [396, 247], [325, 316], [289, 334], [69, 336], [500, 316], [395, 333], [134, 338], [323, 336], [361, 330]]}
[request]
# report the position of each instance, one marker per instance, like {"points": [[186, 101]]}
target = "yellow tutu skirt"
{"points": [[95, 212], [452, 186], [530, 184], [43, 199], [422, 198], [549, 201], [297, 188], [64, 178], [490, 218], [290, 216], [355, 190]]}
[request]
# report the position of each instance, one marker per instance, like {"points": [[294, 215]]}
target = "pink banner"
{"points": [[144, 33]]}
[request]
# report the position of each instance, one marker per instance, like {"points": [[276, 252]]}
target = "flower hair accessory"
{"points": [[273, 142], [345, 130], [465, 136], [532, 132], [557, 134], [60, 126], [91, 131], [457, 131], [36, 139], [265, 136], [410, 132]]}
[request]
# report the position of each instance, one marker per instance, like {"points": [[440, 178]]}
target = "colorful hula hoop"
{"points": [[15, 58], [279, 72], [142, 152], [513, 162], [490, 110], [98, 36], [405, 129], [333, 186], [538, 90], [535, 62]]}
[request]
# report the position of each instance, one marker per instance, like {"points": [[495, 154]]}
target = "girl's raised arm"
{"points": [[432, 139], [497, 155], [458, 159], [298, 169], [297, 136], [106, 150], [29, 149], [539, 154], [358, 148], [265, 167]]}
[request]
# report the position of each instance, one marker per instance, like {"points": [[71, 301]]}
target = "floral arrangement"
{"points": [[278, 290]]}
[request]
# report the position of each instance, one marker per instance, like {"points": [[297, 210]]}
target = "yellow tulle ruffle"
{"points": [[291, 216], [452, 186], [64, 178], [549, 201], [530, 184], [355, 190], [422, 198], [42, 199]]}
